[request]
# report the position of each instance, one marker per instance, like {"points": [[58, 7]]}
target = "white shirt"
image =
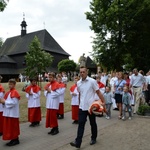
{"points": [[1, 105], [137, 80], [34, 99], [87, 89], [148, 79], [11, 107], [104, 79], [75, 98], [113, 80]]}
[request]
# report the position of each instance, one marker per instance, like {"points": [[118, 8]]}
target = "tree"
{"points": [[66, 65], [37, 60], [122, 32], [3, 4]]}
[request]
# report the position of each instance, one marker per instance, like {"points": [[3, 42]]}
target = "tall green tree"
{"points": [[66, 65], [122, 32], [37, 60], [3, 4]]}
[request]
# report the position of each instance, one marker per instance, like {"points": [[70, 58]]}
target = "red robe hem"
{"points": [[51, 118], [34, 114], [11, 128], [1, 122], [75, 112], [61, 109]]}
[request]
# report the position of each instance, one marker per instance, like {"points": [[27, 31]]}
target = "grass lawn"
{"points": [[23, 101]]}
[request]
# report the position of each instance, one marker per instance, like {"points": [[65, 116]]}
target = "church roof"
{"points": [[20, 44], [6, 59], [90, 63]]}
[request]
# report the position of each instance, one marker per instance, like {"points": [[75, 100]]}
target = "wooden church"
{"points": [[13, 51]]}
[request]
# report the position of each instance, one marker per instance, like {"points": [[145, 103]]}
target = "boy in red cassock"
{"points": [[100, 84], [11, 128], [75, 101], [52, 92], [2, 91], [33, 93], [62, 86]]}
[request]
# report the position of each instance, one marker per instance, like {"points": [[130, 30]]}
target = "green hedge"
{"points": [[143, 109]]}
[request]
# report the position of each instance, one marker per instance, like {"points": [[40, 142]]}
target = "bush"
{"points": [[143, 109]]}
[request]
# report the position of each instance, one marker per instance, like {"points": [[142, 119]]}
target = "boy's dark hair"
{"points": [[83, 67], [59, 76], [52, 74], [12, 81], [77, 77], [33, 79], [98, 77]]}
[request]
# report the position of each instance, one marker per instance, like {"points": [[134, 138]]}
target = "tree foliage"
{"points": [[66, 65], [37, 60], [122, 30], [3, 4]]}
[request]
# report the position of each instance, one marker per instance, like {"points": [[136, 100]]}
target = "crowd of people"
{"points": [[124, 92]]}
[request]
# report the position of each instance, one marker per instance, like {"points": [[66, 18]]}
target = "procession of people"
{"points": [[119, 91]]}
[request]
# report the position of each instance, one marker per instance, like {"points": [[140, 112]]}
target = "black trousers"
{"points": [[82, 120]]}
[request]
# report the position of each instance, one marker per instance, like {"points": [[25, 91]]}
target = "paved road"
{"points": [[38, 139]]}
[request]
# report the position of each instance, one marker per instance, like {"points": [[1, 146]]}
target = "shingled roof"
{"points": [[20, 44], [6, 59], [90, 63]]}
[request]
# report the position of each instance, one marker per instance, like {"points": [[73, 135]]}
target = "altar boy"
{"points": [[34, 108], [2, 91], [52, 93], [11, 128], [62, 86], [75, 101]]}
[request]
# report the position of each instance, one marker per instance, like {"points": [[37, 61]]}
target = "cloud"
{"points": [[64, 20]]}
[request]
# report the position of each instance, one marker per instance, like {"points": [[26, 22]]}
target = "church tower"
{"points": [[23, 26]]}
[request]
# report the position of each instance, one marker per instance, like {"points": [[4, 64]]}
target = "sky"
{"points": [[65, 20]]}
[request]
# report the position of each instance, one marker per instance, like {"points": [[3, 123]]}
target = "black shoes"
{"points": [[60, 117], [74, 144], [92, 142], [54, 131], [34, 124], [1, 134], [13, 142], [75, 122]]}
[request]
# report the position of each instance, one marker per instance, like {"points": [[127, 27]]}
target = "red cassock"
{"points": [[1, 122], [1, 113], [34, 114], [61, 109], [11, 128], [75, 108], [51, 118], [61, 105], [75, 111], [51, 114]]}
